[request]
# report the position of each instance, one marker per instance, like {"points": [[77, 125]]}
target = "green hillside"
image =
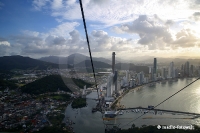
{"points": [[51, 84], [4, 84]]}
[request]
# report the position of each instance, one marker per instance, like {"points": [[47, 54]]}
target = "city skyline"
{"points": [[54, 27]]}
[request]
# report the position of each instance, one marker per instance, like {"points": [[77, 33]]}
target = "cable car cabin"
{"points": [[111, 114]]}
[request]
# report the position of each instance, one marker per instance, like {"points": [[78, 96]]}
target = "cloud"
{"points": [[6, 43], [186, 38], [101, 41], [169, 22], [57, 4], [194, 4], [157, 35], [196, 16], [4, 46], [54, 40], [42, 44], [106, 13], [64, 28], [39, 4], [75, 37], [99, 33], [150, 31], [26, 39]]}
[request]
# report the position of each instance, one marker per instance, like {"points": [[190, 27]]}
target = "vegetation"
{"points": [[60, 97], [5, 74], [52, 130], [51, 84], [154, 129], [6, 83], [79, 103], [80, 83], [47, 84], [56, 119]]}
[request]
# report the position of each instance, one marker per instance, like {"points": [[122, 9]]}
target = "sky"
{"points": [[131, 28]]}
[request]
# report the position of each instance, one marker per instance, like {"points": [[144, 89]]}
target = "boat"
{"points": [[121, 112], [111, 114], [146, 111], [150, 107]]}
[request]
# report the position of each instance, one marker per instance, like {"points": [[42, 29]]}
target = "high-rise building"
{"points": [[131, 83], [141, 77], [151, 73], [171, 71], [155, 66], [154, 77], [163, 73], [84, 90], [113, 62], [125, 80], [115, 80], [176, 72], [191, 70], [109, 90], [138, 79], [127, 76], [187, 69]]}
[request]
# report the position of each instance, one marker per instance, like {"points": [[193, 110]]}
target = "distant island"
{"points": [[79, 103]]}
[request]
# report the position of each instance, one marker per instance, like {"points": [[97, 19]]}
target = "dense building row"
{"points": [[116, 82]]}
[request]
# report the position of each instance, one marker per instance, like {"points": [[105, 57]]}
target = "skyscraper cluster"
{"points": [[188, 70], [133, 78]]}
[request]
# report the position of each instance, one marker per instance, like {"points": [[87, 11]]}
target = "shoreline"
{"points": [[116, 104]]}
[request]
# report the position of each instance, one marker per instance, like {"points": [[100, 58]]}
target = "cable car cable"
{"points": [[94, 75]]}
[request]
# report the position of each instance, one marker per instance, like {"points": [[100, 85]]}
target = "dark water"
{"points": [[187, 100], [85, 120]]}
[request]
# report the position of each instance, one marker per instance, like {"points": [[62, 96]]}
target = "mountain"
{"points": [[20, 62], [101, 59], [73, 59], [97, 64], [53, 59]]}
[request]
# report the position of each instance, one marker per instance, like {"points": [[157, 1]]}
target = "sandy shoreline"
{"points": [[116, 103]]}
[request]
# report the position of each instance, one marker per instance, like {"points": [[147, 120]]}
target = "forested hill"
{"points": [[4, 84], [51, 84]]}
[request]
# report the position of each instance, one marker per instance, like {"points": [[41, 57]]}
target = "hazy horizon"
{"points": [[137, 59]]}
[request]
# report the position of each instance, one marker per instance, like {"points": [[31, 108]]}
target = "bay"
{"points": [[187, 100]]}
